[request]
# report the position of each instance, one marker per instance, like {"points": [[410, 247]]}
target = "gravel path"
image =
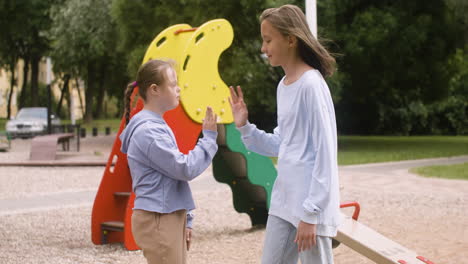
{"points": [[45, 212]]}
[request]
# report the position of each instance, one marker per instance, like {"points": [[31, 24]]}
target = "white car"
{"points": [[29, 122]]}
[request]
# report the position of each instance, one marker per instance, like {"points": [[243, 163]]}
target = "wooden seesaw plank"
{"points": [[374, 245]]}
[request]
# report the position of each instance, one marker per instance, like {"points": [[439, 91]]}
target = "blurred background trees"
{"points": [[402, 65], [84, 40], [23, 36]]}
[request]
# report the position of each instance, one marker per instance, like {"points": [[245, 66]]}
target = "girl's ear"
{"points": [[154, 89], [292, 41]]}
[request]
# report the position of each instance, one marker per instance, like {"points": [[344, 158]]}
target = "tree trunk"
{"points": [[79, 96], [35, 80], [89, 92], [99, 109], [12, 85], [62, 94], [23, 101]]}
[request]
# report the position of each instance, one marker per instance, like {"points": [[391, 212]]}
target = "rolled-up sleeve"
{"points": [[164, 156], [190, 217], [259, 141]]}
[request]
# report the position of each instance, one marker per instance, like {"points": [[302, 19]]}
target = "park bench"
{"points": [[45, 147]]}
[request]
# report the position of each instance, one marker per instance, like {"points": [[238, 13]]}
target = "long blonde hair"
{"points": [[152, 72], [289, 20]]}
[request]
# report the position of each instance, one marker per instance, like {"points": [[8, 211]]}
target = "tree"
{"points": [[23, 24], [84, 41], [11, 41], [38, 43], [395, 58], [395, 54]]}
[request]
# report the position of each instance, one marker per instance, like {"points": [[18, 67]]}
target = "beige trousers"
{"points": [[161, 236]]}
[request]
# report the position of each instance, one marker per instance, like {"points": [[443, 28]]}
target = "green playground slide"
{"points": [[250, 175]]}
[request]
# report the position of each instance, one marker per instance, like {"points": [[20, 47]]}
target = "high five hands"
{"points": [[239, 111], [238, 106]]}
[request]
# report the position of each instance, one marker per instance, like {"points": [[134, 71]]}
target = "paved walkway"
{"points": [[203, 183], [46, 202]]}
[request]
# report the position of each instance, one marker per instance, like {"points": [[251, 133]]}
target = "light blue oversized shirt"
{"points": [[305, 142], [160, 172]]}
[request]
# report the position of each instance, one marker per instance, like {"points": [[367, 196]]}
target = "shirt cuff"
{"points": [[310, 218], [190, 219], [310, 213], [210, 134], [246, 129]]}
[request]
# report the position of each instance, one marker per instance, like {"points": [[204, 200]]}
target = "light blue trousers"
{"points": [[279, 246]]}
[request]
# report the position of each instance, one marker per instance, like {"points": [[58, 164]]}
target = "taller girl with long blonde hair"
{"points": [[304, 207]]}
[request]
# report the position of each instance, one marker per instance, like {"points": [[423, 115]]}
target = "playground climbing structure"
{"points": [[196, 52]]}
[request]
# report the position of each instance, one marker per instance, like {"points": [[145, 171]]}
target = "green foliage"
{"points": [[396, 66], [402, 68], [447, 116], [23, 36], [85, 39], [395, 63], [23, 25], [42, 98], [81, 34]]}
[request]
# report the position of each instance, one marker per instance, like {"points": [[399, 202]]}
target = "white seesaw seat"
{"points": [[374, 245]]}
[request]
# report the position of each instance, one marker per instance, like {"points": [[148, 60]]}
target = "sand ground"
{"points": [[45, 212]]}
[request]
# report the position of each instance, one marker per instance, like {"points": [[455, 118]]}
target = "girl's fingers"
{"points": [[239, 92], [210, 115], [233, 94], [298, 242], [209, 112]]}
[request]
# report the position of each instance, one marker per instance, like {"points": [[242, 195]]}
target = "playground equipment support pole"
{"points": [[311, 15], [49, 96]]}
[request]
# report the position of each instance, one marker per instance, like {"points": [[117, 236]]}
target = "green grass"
{"points": [[101, 124], [371, 149], [359, 149], [457, 171], [3, 124]]}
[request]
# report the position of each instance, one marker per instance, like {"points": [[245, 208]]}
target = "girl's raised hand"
{"points": [[209, 122], [239, 108]]}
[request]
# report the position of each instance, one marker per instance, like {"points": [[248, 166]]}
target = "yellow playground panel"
{"points": [[196, 52]]}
